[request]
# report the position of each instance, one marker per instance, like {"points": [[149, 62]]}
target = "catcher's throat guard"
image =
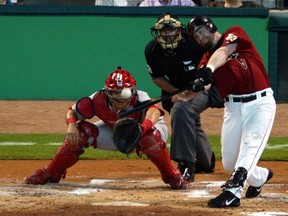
{"points": [[126, 135]]}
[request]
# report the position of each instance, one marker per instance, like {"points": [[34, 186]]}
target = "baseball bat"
{"points": [[145, 104]]}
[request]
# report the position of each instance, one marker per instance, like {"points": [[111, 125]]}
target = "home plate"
{"points": [[198, 194], [123, 203], [100, 181]]}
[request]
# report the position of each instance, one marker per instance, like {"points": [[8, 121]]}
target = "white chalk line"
{"points": [[278, 146], [27, 143], [269, 146], [16, 143]]}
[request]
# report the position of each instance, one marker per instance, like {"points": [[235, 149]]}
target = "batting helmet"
{"points": [[197, 22], [115, 83]]}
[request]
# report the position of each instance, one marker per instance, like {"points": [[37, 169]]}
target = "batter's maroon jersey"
{"points": [[244, 71]]}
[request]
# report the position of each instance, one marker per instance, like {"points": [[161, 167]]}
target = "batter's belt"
{"points": [[244, 99]]}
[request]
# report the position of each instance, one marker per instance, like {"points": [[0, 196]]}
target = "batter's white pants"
{"points": [[245, 132]]}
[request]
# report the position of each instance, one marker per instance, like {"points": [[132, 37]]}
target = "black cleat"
{"points": [[201, 169], [226, 199], [253, 192], [187, 170]]}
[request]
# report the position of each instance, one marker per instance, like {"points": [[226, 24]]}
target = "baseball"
{"points": [[126, 93]]}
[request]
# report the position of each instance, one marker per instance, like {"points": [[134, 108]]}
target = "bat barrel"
{"points": [[145, 104]]}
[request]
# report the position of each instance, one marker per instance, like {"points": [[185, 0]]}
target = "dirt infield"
{"points": [[124, 187]]}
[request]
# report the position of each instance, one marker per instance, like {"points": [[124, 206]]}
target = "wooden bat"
{"points": [[145, 104]]}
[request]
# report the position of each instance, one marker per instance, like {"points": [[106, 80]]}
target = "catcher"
{"points": [[144, 131]]}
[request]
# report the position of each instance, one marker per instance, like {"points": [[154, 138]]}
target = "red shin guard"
{"points": [[68, 155], [155, 148]]}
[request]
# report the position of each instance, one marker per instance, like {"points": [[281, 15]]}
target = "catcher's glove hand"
{"points": [[126, 135]]}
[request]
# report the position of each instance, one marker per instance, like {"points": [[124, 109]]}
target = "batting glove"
{"points": [[198, 85], [205, 74]]}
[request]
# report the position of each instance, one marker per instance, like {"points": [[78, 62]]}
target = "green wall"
{"points": [[68, 57]]}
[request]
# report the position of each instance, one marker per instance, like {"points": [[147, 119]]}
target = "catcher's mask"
{"points": [[115, 83], [197, 22], [168, 31]]}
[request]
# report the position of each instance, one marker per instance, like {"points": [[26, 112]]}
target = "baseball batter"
{"points": [[234, 66], [105, 104]]}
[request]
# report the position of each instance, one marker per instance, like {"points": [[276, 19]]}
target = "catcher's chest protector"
{"points": [[108, 116]]}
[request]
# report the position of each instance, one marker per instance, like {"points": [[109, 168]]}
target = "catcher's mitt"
{"points": [[126, 135]]}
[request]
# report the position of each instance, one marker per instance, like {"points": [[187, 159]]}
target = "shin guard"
{"points": [[154, 147], [68, 155]]}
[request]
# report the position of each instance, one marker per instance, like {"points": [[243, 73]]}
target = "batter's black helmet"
{"points": [[197, 22]]}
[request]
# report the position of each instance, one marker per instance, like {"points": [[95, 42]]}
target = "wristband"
{"points": [[146, 125], [70, 120], [211, 67]]}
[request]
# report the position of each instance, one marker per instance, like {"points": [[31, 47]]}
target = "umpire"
{"points": [[172, 58]]}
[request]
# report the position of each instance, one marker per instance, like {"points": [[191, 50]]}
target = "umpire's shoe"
{"points": [[226, 199], [253, 192], [200, 169], [187, 170]]}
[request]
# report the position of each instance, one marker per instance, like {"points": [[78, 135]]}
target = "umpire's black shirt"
{"points": [[179, 69]]}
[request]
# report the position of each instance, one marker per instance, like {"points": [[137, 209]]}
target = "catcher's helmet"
{"points": [[115, 83], [197, 22], [167, 31]]}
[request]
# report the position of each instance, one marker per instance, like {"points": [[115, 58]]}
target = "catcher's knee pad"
{"points": [[88, 134], [151, 142]]}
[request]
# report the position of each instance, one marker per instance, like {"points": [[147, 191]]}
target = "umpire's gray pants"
{"points": [[188, 140]]}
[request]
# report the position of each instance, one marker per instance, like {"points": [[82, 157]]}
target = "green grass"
{"points": [[40, 150]]}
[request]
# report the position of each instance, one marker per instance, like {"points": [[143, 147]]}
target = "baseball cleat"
{"points": [[187, 171], [184, 184], [41, 176], [178, 183], [188, 176], [253, 192], [226, 199]]}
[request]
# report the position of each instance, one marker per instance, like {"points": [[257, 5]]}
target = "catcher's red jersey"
{"points": [[243, 73], [98, 105]]}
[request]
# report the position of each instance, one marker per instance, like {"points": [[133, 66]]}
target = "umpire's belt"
{"points": [[244, 99]]}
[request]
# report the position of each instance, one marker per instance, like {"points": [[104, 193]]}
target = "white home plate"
{"points": [[83, 191], [213, 183], [123, 203], [198, 193], [100, 181]]}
